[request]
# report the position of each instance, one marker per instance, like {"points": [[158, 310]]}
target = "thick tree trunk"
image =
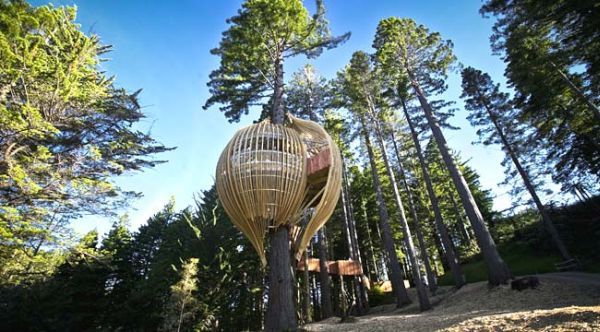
{"points": [[431, 279], [498, 272], [388, 241], [546, 220], [281, 312], [326, 307], [449, 255], [424, 303]]}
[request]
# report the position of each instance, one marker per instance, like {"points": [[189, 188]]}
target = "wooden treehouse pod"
{"points": [[280, 175]]}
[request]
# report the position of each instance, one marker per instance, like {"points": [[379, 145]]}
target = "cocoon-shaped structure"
{"points": [[272, 175]]}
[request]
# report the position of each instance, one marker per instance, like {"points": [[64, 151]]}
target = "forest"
{"points": [[412, 213]]}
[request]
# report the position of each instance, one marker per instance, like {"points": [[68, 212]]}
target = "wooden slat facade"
{"points": [[262, 180]]}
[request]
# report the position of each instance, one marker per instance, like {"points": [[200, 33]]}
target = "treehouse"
{"points": [[272, 175]]}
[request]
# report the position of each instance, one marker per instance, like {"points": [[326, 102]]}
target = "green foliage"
{"points": [[553, 43], [182, 306], [492, 112], [308, 94], [72, 299], [486, 105], [578, 223], [410, 52], [528, 249], [127, 282], [443, 184], [359, 85], [521, 259], [367, 221], [574, 32], [65, 131], [378, 297], [254, 48]]}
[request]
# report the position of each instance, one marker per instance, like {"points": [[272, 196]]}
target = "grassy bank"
{"points": [[521, 260], [527, 249]]}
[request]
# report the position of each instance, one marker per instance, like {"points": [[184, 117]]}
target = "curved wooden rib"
{"points": [[261, 180], [310, 131]]}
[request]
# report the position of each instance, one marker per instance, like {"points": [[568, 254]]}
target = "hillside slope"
{"points": [[571, 303]]}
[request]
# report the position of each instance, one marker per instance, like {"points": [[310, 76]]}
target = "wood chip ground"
{"points": [[554, 306]]}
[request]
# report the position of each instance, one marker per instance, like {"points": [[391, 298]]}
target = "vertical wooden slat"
{"points": [[262, 179]]}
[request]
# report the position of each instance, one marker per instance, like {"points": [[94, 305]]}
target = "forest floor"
{"points": [[563, 302]]}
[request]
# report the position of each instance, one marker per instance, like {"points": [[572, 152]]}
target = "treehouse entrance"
{"points": [[317, 171]]}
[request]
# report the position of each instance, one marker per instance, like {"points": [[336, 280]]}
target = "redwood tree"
{"points": [[492, 110], [253, 51], [423, 58]]}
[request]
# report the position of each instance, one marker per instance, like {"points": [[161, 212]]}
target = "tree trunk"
{"points": [[306, 285], [424, 303], [278, 114], [352, 239], [435, 266], [313, 291], [388, 241], [449, 255], [546, 220], [326, 307], [577, 91], [383, 262], [498, 272], [459, 219], [180, 316], [259, 307], [440, 248], [281, 312], [431, 279], [343, 298], [371, 250]]}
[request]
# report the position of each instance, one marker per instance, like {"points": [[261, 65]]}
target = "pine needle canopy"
{"points": [[270, 175]]}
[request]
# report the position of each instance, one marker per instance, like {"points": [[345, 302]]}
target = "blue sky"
{"points": [[163, 47]]}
